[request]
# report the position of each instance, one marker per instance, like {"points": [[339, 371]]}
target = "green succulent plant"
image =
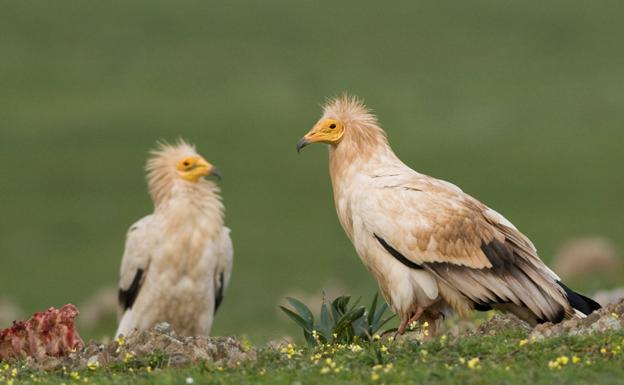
{"points": [[339, 322]]}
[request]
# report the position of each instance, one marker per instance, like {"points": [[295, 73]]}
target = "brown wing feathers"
{"points": [[510, 280]]}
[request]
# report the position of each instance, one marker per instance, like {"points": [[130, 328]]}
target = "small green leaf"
{"points": [[383, 322], [371, 311], [326, 324], [298, 319], [340, 305], [379, 313], [303, 310]]}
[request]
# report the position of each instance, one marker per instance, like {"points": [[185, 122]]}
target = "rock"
{"points": [[164, 328], [606, 319], [501, 322]]}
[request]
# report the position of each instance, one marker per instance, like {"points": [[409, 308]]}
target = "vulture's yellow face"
{"points": [[328, 131], [194, 167]]}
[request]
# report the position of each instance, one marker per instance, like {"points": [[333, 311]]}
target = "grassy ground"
{"points": [[507, 358], [520, 103]]}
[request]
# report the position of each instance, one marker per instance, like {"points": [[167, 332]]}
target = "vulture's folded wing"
{"points": [[430, 224], [225, 255], [134, 264]]}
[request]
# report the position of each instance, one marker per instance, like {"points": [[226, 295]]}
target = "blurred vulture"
{"points": [[178, 260], [431, 247]]}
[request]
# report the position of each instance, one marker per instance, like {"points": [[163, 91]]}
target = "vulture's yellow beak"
{"points": [[328, 131], [192, 168]]}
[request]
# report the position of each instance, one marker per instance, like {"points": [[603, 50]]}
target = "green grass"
{"points": [[519, 103], [502, 359]]}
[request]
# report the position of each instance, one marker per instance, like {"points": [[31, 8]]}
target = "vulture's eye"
{"points": [[186, 164], [332, 126]]}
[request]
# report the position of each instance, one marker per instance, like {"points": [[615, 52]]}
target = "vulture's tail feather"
{"points": [[578, 301]]}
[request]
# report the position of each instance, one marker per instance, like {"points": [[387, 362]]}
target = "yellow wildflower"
{"points": [[474, 363], [554, 364], [384, 349], [376, 337], [289, 350], [603, 350], [374, 376], [558, 362], [575, 359], [325, 370], [14, 372], [523, 342], [93, 365], [355, 348], [128, 357], [74, 375]]}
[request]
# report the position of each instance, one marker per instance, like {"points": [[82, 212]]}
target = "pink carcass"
{"points": [[48, 333]]}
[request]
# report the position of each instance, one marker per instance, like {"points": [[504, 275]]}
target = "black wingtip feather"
{"points": [[398, 256], [128, 296], [580, 302], [219, 294]]}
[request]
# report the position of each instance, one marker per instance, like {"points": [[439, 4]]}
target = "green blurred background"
{"points": [[519, 103]]}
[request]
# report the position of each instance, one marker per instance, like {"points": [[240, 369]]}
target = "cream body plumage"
{"points": [[430, 246], [177, 261]]}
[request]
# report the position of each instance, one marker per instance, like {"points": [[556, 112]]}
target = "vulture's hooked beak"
{"points": [[302, 143], [207, 169], [216, 173]]}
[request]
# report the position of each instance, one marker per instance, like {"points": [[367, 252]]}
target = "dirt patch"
{"points": [[499, 323], [158, 347]]}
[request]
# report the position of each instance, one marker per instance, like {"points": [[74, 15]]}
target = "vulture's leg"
{"points": [[415, 316]]}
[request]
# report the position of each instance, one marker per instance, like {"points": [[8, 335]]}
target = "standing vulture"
{"points": [[178, 260], [431, 247]]}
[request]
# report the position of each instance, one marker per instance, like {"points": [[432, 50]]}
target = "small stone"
{"points": [[163, 327]]}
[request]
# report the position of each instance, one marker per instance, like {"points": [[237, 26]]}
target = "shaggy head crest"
{"points": [[170, 163], [361, 125], [346, 125], [349, 109]]}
